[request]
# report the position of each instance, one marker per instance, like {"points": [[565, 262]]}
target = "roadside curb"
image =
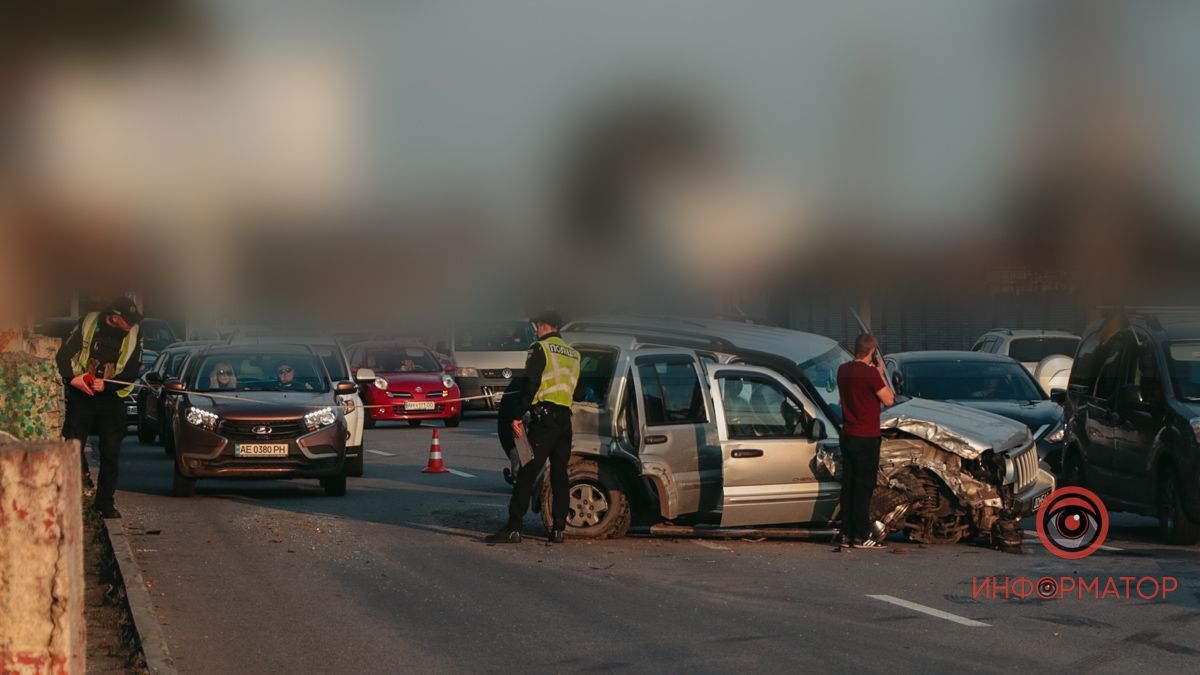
{"points": [[154, 644]]}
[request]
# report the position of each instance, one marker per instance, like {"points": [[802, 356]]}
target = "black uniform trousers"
{"points": [[860, 468], [104, 415], [549, 432]]}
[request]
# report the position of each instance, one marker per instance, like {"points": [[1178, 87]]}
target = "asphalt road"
{"points": [[274, 577]]}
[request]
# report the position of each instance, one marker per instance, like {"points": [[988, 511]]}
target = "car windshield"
{"points": [[499, 336], [261, 372], [969, 380], [1034, 349], [1184, 363], [401, 360], [821, 372]]}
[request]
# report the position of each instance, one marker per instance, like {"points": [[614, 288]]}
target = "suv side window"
{"points": [[1143, 370], [596, 369], [1087, 363], [759, 408], [1111, 370], [671, 391]]}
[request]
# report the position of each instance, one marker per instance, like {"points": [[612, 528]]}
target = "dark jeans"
{"points": [[104, 415], [550, 437], [860, 466]]}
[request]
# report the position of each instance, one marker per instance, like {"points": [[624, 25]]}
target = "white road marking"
{"points": [[456, 472], [380, 452], [929, 610], [710, 545], [1103, 547]]}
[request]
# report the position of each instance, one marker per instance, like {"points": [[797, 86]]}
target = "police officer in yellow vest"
{"points": [[104, 349], [552, 370]]}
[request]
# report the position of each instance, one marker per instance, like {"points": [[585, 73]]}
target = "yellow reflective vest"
{"points": [[86, 332], [561, 373]]}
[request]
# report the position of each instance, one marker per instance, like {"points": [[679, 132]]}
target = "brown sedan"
{"points": [[258, 412]]}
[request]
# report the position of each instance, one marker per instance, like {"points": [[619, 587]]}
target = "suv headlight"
{"points": [[320, 418], [467, 372], [199, 417], [447, 381], [1057, 434]]}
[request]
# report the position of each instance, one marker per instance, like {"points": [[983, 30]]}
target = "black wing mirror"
{"points": [[345, 388], [817, 431], [153, 378], [1058, 395]]}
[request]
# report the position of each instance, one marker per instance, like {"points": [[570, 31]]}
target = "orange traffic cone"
{"points": [[435, 456]]}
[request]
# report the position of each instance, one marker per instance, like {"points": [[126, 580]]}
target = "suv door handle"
{"points": [[746, 453], [655, 440]]}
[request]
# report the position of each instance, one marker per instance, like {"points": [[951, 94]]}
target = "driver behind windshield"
{"points": [[286, 372]]}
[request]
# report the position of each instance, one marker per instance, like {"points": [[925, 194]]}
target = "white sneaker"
{"points": [[871, 543]]}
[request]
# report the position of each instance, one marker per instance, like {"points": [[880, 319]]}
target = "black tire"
{"points": [[600, 506], [1174, 524], [354, 465], [145, 433], [182, 486], [1072, 469], [335, 486], [414, 423], [368, 421], [452, 422]]}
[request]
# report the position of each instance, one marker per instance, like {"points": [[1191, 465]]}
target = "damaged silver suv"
{"points": [[731, 424]]}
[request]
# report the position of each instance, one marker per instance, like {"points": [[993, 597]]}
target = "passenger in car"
{"points": [[222, 376]]}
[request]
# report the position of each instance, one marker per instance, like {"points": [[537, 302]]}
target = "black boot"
{"points": [[556, 537], [108, 511], [504, 536]]}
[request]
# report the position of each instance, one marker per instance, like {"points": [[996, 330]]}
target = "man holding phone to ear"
{"points": [[863, 389]]}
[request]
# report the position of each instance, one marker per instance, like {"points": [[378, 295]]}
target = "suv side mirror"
{"points": [[1058, 395], [364, 375], [1131, 397], [818, 431], [345, 388], [174, 385]]}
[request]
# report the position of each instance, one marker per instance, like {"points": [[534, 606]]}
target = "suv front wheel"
{"points": [[598, 506], [1173, 522]]}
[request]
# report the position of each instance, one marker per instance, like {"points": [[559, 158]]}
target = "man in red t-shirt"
{"points": [[862, 387]]}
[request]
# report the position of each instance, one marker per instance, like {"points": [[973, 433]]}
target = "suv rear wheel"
{"points": [[1072, 469], [354, 465], [1173, 522], [598, 505]]}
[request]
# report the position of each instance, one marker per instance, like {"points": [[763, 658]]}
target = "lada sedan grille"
{"points": [[261, 430]]}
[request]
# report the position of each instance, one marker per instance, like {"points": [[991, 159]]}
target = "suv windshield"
{"points": [[499, 336], [401, 360], [969, 380], [1035, 349], [821, 372], [261, 372], [1184, 363]]}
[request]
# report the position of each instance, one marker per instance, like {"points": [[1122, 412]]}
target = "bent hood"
{"points": [[1035, 416], [955, 428]]}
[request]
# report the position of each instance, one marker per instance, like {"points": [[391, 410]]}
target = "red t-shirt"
{"points": [[857, 384]]}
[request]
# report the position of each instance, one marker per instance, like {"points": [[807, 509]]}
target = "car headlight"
{"points": [[447, 381], [381, 384], [199, 417], [467, 372], [1196, 428], [320, 418], [1057, 434]]}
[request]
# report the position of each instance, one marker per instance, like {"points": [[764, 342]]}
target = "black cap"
{"points": [[125, 308], [549, 317]]}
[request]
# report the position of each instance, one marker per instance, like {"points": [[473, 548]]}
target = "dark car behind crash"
{"points": [[265, 411]]}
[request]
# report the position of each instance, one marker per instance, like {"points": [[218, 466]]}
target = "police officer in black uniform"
{"points": [[552, 371], [105, 348]]}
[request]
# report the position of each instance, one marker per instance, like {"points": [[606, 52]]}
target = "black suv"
{"points": [[1133, 419]]}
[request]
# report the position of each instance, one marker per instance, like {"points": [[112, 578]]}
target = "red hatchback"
{"points": [[405, 382]]}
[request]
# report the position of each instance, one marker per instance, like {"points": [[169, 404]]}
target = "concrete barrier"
{"points": [[42, 627], [31, 397]]}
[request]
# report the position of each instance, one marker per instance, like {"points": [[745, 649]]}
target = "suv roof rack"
{"points": [[650, 332]]}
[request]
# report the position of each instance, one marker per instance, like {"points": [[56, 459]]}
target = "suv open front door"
{"points": [[768, 453], [678, 443]]}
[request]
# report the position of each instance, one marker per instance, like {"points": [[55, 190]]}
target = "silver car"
{"points": [[737, 425]]}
